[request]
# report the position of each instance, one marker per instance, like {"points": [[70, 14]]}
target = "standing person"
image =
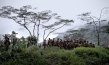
{"points": [[6, 42], [44, 44], [13, 38]]}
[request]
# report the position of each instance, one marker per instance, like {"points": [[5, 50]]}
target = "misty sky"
{"points": [[67, 9]]}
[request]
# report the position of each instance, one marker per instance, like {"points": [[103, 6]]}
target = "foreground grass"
{"points": [[55, 56]]}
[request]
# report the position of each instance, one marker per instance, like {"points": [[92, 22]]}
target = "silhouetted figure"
{"points": [[93, 45], [61, 44], [49, 42], [44, 44], [6, 42], [53, 42], [13, 38]]}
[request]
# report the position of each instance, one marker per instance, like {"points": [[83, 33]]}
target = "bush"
{"points": [[63, 57], [31, 38], [93, 56], [78, 56], [55, 56], [29, 58]]}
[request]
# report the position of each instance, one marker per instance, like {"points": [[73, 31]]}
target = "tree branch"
{"points": [[54, 30]]}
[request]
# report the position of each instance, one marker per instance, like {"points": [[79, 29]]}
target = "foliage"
{"points": [[92, 56], [55, 56], [78, 56], [21, 59], [31, 38], [21, 55]]}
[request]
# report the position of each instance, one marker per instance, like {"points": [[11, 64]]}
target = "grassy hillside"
{"points": [[54, 56]]}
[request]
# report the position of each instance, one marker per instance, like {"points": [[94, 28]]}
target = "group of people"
{"points": [[63, 44], [66, 44], [7, 42]]}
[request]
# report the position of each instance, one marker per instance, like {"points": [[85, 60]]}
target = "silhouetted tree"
{"points": [[92, 20]]}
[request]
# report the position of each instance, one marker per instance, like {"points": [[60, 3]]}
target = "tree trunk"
{"points": [[38, 31], [34, 29], [98, 40]]}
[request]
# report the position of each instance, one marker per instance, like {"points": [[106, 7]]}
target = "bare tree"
{"points": [[92, 20]]}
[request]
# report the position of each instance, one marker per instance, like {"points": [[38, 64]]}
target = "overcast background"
{"points": [[68, 9]]}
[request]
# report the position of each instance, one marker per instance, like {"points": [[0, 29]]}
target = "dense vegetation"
{"points": [[21, 55]]}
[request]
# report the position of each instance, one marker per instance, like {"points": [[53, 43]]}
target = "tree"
{"points": [[43, 18], [96, 22], [20, 16], [55, 26], [25, 17]]}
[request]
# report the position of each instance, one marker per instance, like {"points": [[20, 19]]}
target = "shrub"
{"points": [[55, 56], [22, 58], [93, 56]]}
